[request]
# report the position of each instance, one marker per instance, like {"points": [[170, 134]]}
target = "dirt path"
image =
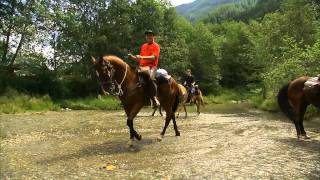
{"points": [[82, 144]]}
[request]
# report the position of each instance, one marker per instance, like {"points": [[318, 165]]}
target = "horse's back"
{"points": [[183, 93], [297, 84], [299, 93], [312, 94]]}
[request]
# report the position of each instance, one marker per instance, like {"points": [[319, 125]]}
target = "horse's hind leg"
{"points": [[175, 125], [300, 121], [185, 110], [168, 118], [198, 107], [154, 111], [160, 110]]}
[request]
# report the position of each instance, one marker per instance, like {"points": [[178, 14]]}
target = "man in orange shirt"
{"points": [[148, 62]]}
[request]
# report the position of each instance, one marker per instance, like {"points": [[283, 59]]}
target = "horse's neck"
{"points": [[125, 73]]}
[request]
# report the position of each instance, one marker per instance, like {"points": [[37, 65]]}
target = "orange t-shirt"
{"points": [[149, 50]]}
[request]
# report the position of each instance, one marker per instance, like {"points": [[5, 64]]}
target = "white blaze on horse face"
{"points": [[97, 73]]}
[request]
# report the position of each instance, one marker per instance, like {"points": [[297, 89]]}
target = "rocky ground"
{"points": [[92, 145]]}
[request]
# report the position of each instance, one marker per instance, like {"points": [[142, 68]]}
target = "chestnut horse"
{"points": [[183, 96], [118, 78], [293, 99], [197, 98]]}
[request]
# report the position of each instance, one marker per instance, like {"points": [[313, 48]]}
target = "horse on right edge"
{"points": [[295, 97]]}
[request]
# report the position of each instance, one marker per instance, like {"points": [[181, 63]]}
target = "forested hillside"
{"points": [[200, 8], [259, 46]]}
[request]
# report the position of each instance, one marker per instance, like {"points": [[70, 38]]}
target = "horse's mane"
{"points": [[113, 59]]}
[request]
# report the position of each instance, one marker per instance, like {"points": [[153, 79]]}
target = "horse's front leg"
{"points": [[133, 133]]}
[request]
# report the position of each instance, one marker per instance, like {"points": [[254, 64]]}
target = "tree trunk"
{"points": [[18, 49], [6, 45]]}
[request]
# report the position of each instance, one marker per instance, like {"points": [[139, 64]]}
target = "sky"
{"points": [[178, 2]]}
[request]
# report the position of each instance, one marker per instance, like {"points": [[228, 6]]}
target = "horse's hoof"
{"points": [[178, 133], [160, 138], [139, 137], [304, 137], [130, 143]]}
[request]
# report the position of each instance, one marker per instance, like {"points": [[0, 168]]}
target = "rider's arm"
{"points": [[132, 57], [152, 58]]}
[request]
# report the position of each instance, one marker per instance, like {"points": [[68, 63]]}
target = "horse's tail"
{"points": [[283, 102], [175, 104]]}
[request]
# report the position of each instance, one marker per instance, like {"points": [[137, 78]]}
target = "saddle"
{"points": [[143, 75], [314, 81], [162, 77], [197, 90]]}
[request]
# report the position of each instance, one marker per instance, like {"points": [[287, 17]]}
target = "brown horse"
{"points": [[118, 78], [183, 96], [293, 100], [197, 98]]}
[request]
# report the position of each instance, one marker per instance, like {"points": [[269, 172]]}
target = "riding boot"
{"points": [[153, 94], [143, 78]]}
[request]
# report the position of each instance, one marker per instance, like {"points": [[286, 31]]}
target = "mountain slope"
{"points": [[200, 8], [242, 11]]}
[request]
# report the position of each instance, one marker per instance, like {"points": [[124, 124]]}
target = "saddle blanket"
{"points": [[163, 73], [312, 81]]}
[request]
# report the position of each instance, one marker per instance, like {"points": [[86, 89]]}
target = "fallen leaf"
{"points": [[111, 168]]}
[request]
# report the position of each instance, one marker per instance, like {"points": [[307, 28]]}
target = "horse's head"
{"points": [[105, 73]]}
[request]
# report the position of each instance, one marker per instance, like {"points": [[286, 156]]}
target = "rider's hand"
{"points": [[138, 57], [131, 56]]}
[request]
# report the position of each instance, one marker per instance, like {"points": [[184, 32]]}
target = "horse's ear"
{"points": [[93, 60]]}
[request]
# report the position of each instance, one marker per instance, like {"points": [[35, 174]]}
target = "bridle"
{"points": [[115, 87]]}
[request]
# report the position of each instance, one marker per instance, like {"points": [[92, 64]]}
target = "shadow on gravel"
{"points": [[112, 147], [308, 145]]}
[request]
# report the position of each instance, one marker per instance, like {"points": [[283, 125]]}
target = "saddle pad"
{"points": [[162, 73], [312, 82]]}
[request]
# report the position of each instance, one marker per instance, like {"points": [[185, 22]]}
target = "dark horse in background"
{"points": [[294, 98], [118, 78]]}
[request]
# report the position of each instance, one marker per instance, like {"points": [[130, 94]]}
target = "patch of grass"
{"points": [[269, 104], [90, 103], [13, 102], [227, 96]]}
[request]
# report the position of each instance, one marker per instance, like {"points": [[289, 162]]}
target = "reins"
{"points": [[120, 91]]}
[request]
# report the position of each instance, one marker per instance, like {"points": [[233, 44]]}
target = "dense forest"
{"points": [[257, 46]]}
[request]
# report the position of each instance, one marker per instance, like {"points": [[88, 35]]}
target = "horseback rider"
{"points": [[189, 83], [148, 62]]}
